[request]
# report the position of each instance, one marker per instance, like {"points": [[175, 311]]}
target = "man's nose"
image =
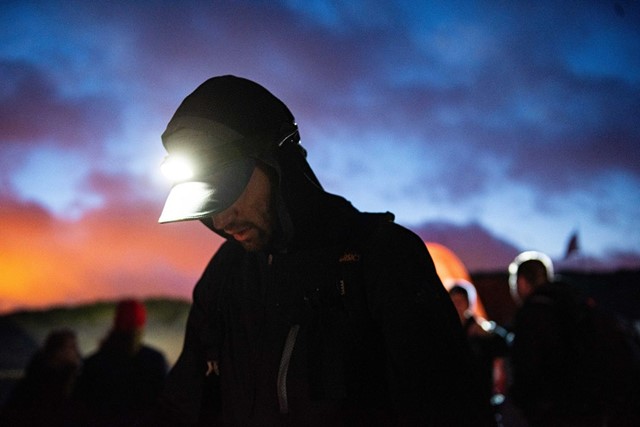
{"points": [[222, 219]]}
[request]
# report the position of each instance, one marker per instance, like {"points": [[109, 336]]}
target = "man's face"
{"points": [[250, 220], [524, 288]]}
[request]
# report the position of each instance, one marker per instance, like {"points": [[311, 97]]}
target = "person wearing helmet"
{"points": [[312, 313], [571, 365], [487, 340], [528, 271]]}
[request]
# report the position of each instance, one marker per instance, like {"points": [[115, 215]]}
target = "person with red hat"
{"points": [[131, 315], [120, 383]]}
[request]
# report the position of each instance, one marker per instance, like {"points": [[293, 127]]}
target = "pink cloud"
{"points": [[111, 252]]}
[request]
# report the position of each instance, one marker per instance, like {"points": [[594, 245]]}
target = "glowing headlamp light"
{"points": [[177, 168]]}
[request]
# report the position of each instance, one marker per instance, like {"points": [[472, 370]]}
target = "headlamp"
{"points": [[177, 168], [189, 165], [211, 189]]}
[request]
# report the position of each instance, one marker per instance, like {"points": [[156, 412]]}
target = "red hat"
{"points": [[130, 315]]}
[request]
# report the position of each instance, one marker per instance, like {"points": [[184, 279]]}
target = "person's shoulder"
{"points": [[94, 363], [391, 242], [148, 349], [150, 352], [94, 357], [229, 248], [555, 293], [228, 252], [390, 234]]}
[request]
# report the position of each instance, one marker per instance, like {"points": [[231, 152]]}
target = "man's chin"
{"points": [[255, 244], [251, 246]]}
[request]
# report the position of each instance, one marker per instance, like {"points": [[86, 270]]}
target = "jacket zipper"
{"points": [[284, 368]]}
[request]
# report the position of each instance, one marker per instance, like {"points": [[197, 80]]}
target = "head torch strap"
{"points": [[293, 137], [200, 160]]}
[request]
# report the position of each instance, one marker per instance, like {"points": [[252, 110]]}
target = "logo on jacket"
{"points": [[349, 257]]}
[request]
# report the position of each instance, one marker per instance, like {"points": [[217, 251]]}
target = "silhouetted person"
{"points": [[487, 344], [122, 380], [312, 313], [42, 397], [572, 365]]}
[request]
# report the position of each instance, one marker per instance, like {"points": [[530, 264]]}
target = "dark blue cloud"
{"points": [[35, 110], [476, 247]]}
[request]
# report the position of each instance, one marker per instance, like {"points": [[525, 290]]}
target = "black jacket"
{"points": [[343, 322], [572, 362], [119, 388]]}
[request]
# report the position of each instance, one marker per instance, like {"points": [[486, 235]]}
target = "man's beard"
{"points": [[258, 242], [263, 236]]}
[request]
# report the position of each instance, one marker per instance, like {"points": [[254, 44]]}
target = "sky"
{"points": [[491, 127]]}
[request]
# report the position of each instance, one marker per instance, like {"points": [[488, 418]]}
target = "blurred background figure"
{"points": [[573, 365], [122, 380], [528, 271], [487, 341], [43, 396]]}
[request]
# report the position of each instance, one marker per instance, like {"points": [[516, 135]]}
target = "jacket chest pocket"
{"points": [[340, 331], [336, 303]]}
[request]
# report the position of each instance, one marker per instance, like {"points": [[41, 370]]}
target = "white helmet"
{"points": [[515, 265]]}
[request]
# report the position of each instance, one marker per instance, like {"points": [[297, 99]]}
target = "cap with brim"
{"points": [[220, 127], [208, 195]]}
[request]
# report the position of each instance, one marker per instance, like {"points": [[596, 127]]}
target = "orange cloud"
{"points": [[108, 253]]}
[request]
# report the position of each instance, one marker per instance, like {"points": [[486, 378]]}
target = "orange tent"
{"points": [[452, 271]]}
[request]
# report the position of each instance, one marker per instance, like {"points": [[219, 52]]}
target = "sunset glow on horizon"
{"points": [[47, 262]]}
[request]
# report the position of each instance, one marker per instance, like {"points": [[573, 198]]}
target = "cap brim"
{"points": [[207, 196]]}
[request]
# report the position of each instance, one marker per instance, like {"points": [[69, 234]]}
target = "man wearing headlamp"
{"points": [[312, 313]]}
